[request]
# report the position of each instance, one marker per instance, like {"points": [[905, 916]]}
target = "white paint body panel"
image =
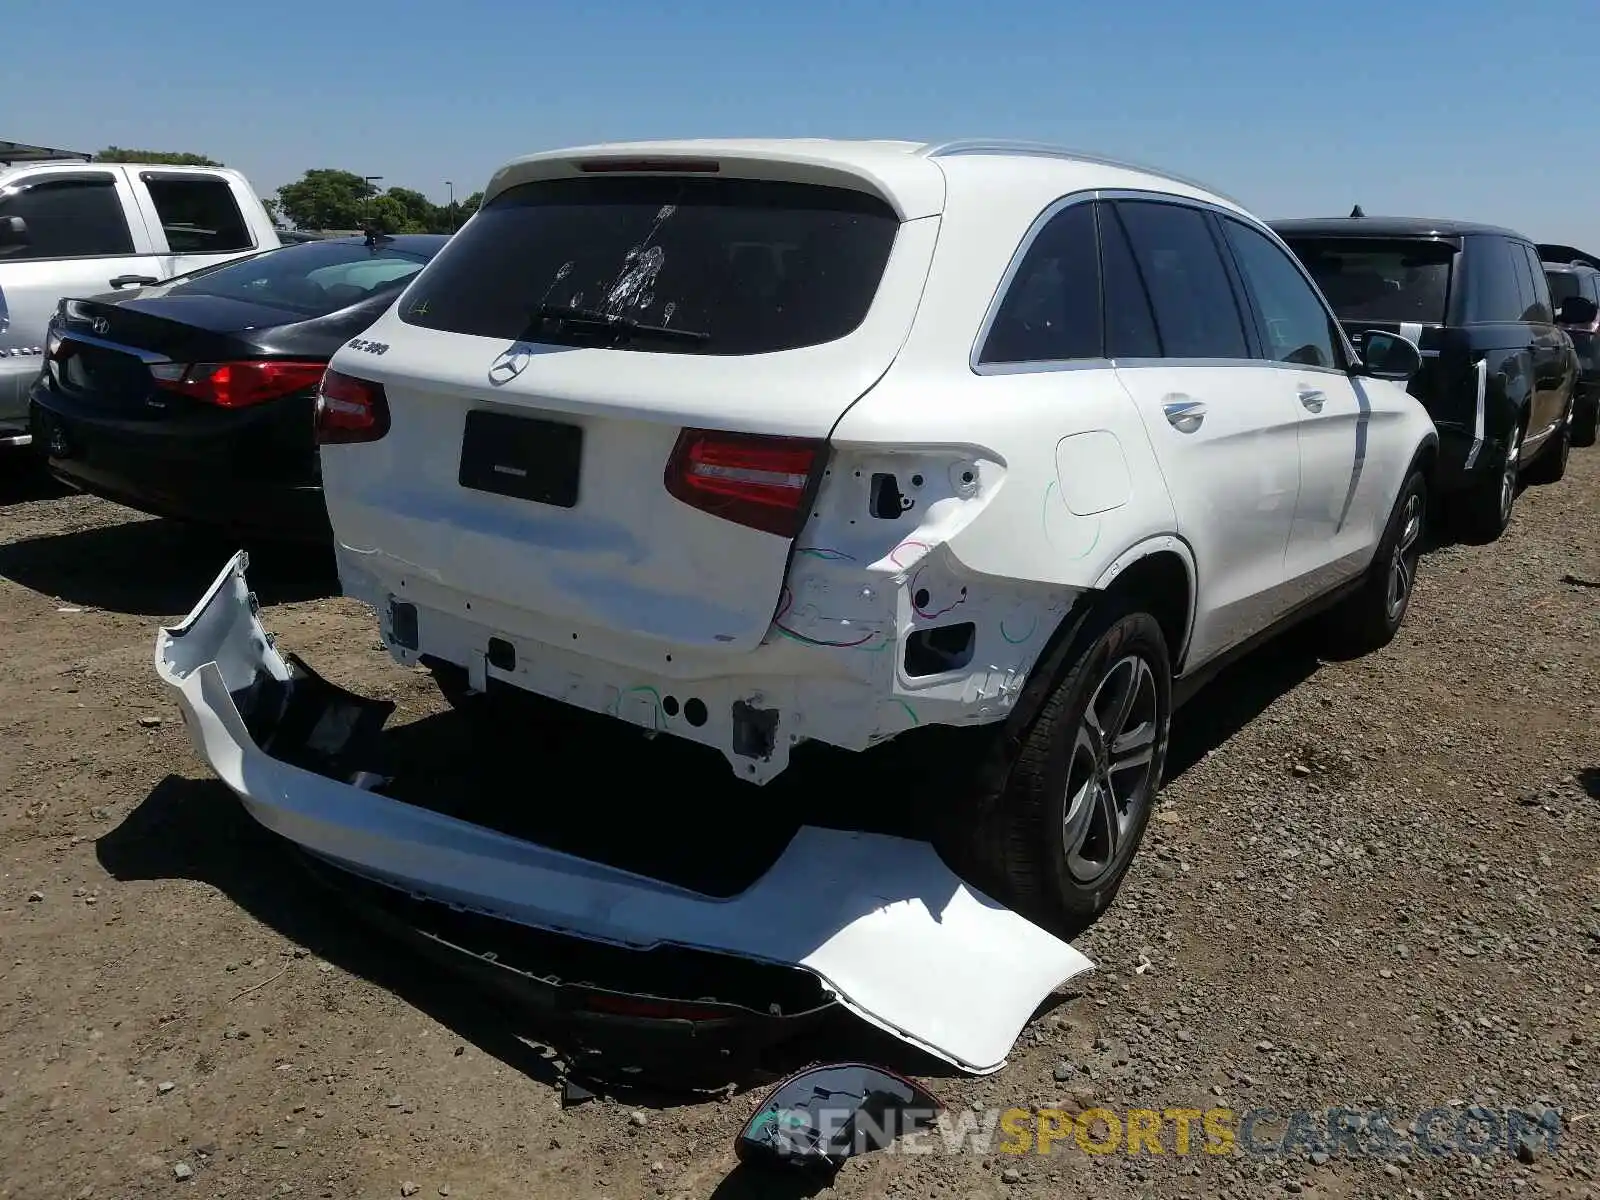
{"points": [[881, 921], [1026, 486]]}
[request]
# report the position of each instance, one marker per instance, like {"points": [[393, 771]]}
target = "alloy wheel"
{"points": [[1508, 475], [1403, 563], [1109, 778]]}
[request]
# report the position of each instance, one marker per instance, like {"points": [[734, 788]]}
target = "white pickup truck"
{"points": [[78, 229]]}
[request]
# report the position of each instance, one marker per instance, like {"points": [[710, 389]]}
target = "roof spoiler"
{"points": [[1553, 253]]}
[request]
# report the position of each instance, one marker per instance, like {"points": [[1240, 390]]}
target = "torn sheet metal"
{"points": [[880, 920]]}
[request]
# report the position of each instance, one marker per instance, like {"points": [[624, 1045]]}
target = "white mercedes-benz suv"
{"points": [[761, 442]]}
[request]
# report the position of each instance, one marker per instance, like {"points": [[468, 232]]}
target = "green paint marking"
{"points": [[1017, 641], [1098, 527], [910, 712]]}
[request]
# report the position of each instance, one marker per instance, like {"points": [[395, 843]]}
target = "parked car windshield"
{"points": [[1368, 279], [752, 266], [1563, 286], [312, 278]]}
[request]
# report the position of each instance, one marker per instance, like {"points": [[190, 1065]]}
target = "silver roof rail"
{"points": [[1047, 150]]}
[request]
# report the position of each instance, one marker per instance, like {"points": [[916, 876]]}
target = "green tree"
{"points": [[470, 205], [274, 210], [421, 215], [388, 214], [326, 198], [174, 158]]}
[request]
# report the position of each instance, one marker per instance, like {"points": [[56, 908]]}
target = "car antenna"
{"points": [[1356, 211]]}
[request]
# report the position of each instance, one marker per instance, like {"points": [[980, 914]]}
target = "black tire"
{"points": [[1370, 617], [1551, 464], [1017, 845], [1585, 416], [1486, 506]]}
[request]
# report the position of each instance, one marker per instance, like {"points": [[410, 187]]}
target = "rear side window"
{"points": [[1051, 310], [1295, 326], [751, 266], [1495, 291], [198, 214], [311, 279], [1195, 310], [68, 218], [1591, 286]]}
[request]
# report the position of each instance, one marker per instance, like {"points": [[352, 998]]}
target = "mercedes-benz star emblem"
{"points": [[509, 365], [101, 326]]}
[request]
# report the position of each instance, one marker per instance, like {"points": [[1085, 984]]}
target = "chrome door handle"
{"points": [[1313, 399], [1183, 414]]}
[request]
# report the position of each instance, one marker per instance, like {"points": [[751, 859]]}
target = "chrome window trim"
{"points": [[1089, 196]]}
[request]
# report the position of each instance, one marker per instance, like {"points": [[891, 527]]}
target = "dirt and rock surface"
{"points": [[1370, 884]]}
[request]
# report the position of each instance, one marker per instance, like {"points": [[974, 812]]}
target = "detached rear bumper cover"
{"points": [[881, 921]]}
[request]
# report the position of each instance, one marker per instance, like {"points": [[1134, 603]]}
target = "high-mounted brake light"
{"points": [[237, 384], [350, 410], [755, 480], [676, 166]]}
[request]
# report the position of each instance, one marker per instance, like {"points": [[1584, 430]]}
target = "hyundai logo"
{"points": [[101, 326], [509, 365]]}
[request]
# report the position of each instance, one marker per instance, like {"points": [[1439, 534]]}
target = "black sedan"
{"points": [[195, 398]]}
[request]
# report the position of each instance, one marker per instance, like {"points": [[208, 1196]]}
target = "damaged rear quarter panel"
{"points": [[1025, 491]]}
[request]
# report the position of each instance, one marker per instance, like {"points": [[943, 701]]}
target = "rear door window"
{"points": [[750, 266], [1296, 327], [1539, 307], [1130, 325], [1388, 280], [1051, 310], [311, 279], [1196, 313], [80, 216], [198, 213]]}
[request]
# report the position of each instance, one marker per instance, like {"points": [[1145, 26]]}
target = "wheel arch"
{"points": [[1160, 567]]}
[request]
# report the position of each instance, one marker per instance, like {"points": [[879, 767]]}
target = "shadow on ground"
{"points": [[24, 479], [1238, 695], [158, 568]]}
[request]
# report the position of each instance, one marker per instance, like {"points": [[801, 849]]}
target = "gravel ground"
{"points": [[1370, 885]]}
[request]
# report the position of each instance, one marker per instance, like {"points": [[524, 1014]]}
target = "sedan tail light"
{"points": [[238, 384], [350, 410], [763, 482]]}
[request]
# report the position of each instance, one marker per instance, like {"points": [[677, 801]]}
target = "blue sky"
{"points": [[1456, 110]]}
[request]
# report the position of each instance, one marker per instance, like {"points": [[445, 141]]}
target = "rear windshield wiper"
{"points": [[595, 321]]}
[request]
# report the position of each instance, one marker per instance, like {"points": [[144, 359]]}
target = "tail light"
{"points": [[238, 384], [350, 410], [763, 482]]}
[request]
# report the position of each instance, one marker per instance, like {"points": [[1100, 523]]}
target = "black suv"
{"points": [[1498, 371], [1572, 272]]}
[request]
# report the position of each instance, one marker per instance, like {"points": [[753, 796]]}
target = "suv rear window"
{"points": [[1372, 279], [754, 266]]}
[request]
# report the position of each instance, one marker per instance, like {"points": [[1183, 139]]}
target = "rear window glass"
{"points": [[1368, 279], [1563, 284], [750, 266], [312, 278]]}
